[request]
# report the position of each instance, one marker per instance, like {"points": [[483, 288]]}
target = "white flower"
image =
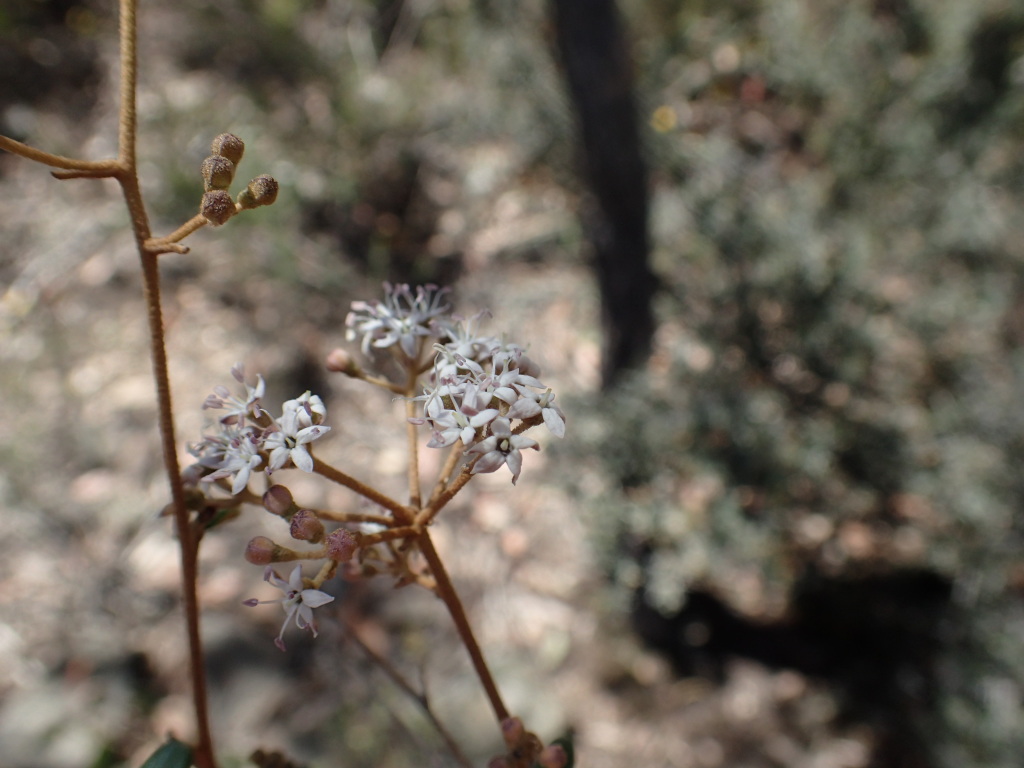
{"points": [[236, 453], [530, 404], [402, 318], [298, 602], [237, 408], [299, 425], [502, 447]]}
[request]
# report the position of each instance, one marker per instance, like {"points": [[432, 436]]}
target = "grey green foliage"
{"points": [[838, 231]]}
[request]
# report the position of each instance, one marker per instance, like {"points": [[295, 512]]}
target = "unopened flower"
{"points": [[298, 602], [502, 447]]}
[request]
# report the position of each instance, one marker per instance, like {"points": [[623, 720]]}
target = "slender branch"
{"points": [[196, 222], [412, 434], [429, 512], [108, 167], [189, 539], [402, 513], [353, 517], [419, 698], [369, 539], [454, 454], [446, 591]]}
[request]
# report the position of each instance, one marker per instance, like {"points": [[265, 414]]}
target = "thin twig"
{"points": [[420, 698], [402, 513]]}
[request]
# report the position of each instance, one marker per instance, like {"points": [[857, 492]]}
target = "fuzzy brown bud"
{"points": [[217, 207], [553, 756], [261, 551], [340, 361], [341, 545], [512, 731], [278, 500], [306, 526], [229, 146], [261, 191], [218, 172]]}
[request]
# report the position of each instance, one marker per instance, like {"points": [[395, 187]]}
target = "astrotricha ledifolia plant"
{"points": [[474, 395]]}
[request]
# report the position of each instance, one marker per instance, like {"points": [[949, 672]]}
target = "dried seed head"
{"points": [[217, 172], [306, 526], [229, 146], [217, 207], [261, 191]]}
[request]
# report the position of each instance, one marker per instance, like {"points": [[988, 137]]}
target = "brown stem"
{"points": [[203, 756], [412, 434], [429, 512], [446, 591], [403, 514], [196, 222], [353, 517], [106, 167]]}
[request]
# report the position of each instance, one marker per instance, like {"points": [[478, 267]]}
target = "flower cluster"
{"points": [[404, 318], [247, 435], [478, 386]]}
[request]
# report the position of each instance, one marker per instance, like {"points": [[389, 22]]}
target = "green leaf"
{"points": [[172, 754]]}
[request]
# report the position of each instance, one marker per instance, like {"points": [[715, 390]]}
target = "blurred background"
{"points": [[770, 256]]}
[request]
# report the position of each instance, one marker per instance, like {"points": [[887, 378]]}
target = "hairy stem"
{"points": [[188, 538]]}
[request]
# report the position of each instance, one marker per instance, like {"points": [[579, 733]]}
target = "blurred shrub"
{"points": [[837, 384]]}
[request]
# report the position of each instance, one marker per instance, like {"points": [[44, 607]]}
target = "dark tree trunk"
{"points": [[595, 59]]}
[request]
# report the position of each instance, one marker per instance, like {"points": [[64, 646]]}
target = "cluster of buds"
{"points": [[525, 750], [218, 172]]}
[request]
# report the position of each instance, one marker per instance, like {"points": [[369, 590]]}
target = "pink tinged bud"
{"points": [[252, 602], [217, 207], [306, 526], [340, 361], [229, 146], [512, 730], [261, 551], [553, 756], [261, 191], [218, 172], [341, 545], [278, 500]]}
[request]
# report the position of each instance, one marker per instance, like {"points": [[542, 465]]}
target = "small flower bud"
{"points": [[340, 361], [229, 146], [261, 191], [217, 172], [306, 526], [261, 551], [512, 730], [341, 545], [278, 500], [553, 756], [217, 207]]}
